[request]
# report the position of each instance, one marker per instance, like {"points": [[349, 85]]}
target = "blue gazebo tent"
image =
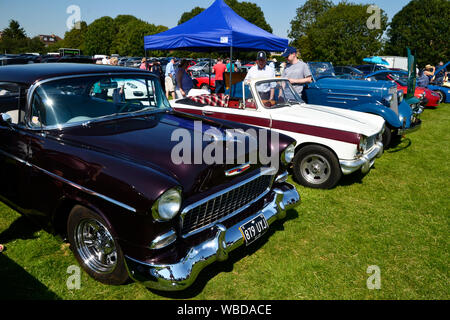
{"points": [[218, 28]]}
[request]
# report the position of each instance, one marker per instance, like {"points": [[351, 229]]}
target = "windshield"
{"points": [[321, 70], [402, 79], [277, 93], [75, 101]]}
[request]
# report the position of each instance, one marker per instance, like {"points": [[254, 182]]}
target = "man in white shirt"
{"points": [[262, 71]]}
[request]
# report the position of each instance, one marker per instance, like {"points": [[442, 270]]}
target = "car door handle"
{"points": [[206, 113]]}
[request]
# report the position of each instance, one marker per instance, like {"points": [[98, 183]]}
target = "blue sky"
{"points": [[49, 16]]}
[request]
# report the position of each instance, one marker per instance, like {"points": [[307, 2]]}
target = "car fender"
{"points": [[381, 110]]}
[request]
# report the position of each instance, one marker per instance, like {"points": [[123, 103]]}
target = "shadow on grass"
{"points": [[354, 178], [399, 145], [227, 266], [22, 228], [17, 284]]}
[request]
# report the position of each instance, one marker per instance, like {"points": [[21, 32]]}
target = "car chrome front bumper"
{"points": [[364, 163], [181, 275], [411, 129]]}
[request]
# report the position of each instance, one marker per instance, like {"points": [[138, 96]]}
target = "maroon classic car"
{"points": [[87, 151]]}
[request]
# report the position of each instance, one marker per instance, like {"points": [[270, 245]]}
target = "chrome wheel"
{"points": [[96, 246], [315, 169], [441, 96]]}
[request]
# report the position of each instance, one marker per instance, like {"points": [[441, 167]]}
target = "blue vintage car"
{"points": [[380, 98], [444, 92]]}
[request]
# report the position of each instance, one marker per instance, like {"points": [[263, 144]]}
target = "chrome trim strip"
{"points": [[15, 158], [264, 171], [343, 102], [338, 98], [77, 186], [92, 193], [350, 94]]}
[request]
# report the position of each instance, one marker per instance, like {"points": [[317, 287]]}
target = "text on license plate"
{"points": [[254, 229]]}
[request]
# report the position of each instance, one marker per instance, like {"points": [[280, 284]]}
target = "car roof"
{"points": [[30, 73]]}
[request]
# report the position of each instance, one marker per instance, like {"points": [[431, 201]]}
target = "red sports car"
{"points": [[428, 97]]}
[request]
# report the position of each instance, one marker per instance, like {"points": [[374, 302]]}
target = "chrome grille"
{"points": [[204, 214], [371, 142], [394, 101]]}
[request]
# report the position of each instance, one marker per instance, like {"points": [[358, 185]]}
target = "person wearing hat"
{"points": [[296, 71], [262, 71]]}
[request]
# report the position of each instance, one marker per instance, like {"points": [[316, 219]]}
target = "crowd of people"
{"points": [[177, 81], [432, 74]]}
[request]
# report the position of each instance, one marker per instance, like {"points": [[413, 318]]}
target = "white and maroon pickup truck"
{"points": [[330, 141]]}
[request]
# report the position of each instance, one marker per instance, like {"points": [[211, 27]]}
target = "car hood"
{"points": [[333, 118], [333, 83], [149, 141]]}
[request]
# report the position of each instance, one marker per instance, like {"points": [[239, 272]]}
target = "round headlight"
{"points": [[168, 205], [288, 154], [400, 96]]}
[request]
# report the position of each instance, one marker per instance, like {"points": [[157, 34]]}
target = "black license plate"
{"points": [[254, 229]]}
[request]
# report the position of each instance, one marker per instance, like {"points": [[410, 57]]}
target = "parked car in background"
{"points": [[369, 68], [427, 97], [12, 59], [78, 155], [50, 58], [347, 72], [122, 61], [202, 81], [201, 67], [76, 59], [330, 141], [380, 98], [134, 62]]}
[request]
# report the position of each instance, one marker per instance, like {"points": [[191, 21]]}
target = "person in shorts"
{"points": [[170, 79]]}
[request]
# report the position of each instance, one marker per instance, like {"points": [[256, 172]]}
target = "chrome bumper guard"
{"points": [[181, 275], [364, 163], [411, 129]]}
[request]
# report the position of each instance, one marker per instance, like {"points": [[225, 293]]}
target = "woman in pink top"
{"points": [[144, 65]]}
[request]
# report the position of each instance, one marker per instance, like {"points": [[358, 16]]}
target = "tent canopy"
{"points": [[218, 28], [376, 60]]}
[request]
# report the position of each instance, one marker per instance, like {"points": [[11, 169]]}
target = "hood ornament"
{"points": [[238, 170]]}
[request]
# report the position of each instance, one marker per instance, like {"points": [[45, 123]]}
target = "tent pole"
{"points": [[231, 69], [146, 60], [210, 53]]}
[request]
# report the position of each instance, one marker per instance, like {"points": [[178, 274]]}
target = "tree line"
{"points": [[321, 30], [339, 33]]}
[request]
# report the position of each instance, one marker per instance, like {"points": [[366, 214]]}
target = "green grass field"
{"points": [[396, 217]]}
